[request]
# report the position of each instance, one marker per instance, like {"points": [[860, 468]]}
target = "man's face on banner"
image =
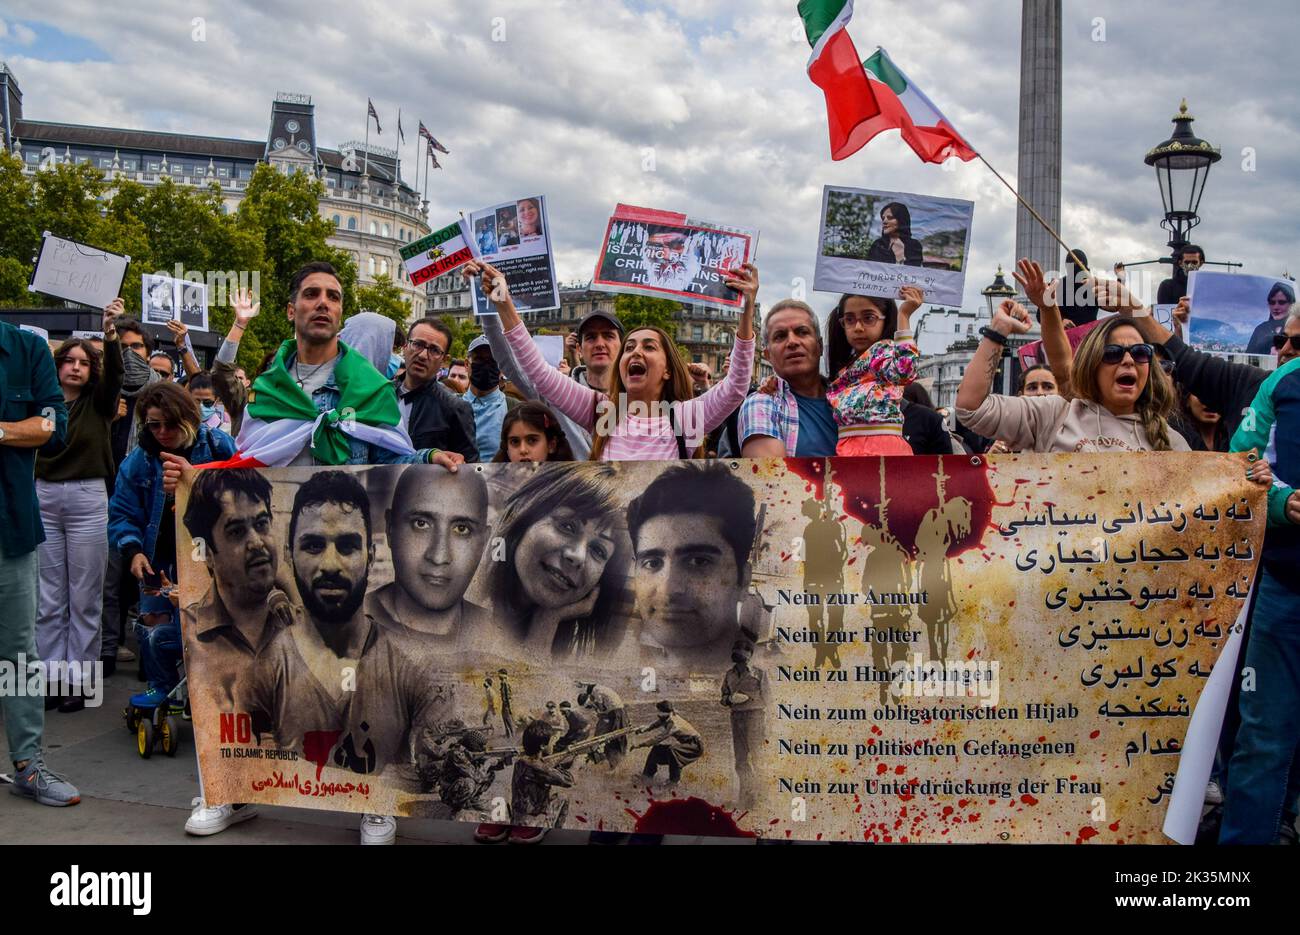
{"points": [[331, 560], [436, 530], [243, 554], [686, 582], [666, 250]]}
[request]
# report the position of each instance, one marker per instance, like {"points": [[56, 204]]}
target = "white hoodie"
{"points": [[1053, 423]]}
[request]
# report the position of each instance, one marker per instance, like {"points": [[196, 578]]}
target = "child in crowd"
{"points": [[869, 371], [211, 411], [158, 633], [531, 432]]}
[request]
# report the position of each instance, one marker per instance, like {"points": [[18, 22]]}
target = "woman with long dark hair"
{"points": [[1281, 299], [71, 486], [564, 571], [896, 243]]}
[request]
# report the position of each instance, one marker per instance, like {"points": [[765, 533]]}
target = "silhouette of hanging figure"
{"points": [[940, 528], [825, 553], [886, 568]]}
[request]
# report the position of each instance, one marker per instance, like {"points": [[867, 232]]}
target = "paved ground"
{"points": [[125, 799]]}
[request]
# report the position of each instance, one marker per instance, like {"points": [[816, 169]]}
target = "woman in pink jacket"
{"points": [[649, 413]]}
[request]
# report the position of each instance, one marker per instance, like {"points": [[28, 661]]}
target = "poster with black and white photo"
{"points": [[875, 242], [164, 299], [515, 237], [671, 256]]}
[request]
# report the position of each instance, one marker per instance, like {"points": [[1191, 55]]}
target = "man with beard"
{"points": [[229, 518], [437, 527], [338, 670]]}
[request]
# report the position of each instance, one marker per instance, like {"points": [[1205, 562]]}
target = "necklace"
{"points": [[297, 373]]}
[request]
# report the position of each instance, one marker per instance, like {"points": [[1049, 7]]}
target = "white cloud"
{"points": [[569, 101]]}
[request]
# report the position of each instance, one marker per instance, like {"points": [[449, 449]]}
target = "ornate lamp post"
{"points": [[1182, 165]]}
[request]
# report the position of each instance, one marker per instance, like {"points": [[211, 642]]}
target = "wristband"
{"points": [[996, 337], [428, 458]]}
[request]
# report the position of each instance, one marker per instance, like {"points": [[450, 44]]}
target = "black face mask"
{"points": [[484, 375]]}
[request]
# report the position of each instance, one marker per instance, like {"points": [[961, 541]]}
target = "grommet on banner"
{"points": [[975, 460], [1252, 456], [478, 468], [735, 466]]}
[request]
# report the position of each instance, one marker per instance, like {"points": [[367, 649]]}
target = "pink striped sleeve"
{"points": [[576, 401], [705, 413]]}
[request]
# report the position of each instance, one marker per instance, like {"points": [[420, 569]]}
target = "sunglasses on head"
{"points": [[1114, 353], [1280, 341]]}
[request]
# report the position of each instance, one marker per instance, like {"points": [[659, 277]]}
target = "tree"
{"points": [[385, 298], [463, 331], [639, 311]]}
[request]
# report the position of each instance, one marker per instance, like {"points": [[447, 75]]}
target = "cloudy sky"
{"points": [[568, 98]]}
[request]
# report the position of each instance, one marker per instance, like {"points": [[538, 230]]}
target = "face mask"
{"points": [[485, 375], [394, 364], [208, 410]]}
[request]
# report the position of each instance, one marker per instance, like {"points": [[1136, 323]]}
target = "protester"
{"points": [[434, 417], [158, 635], [1077, 303], [596, 341], [648, 376], [228, 380], [161, 363], [796, 419], [1121, 402], [212, 412], [32, 414], [457, 378], [485, 396], [1261, 792], [1036, 380], [184, 349], [71, 484], [531, 433], [869, 371], [1190, 258], [137, 347]]}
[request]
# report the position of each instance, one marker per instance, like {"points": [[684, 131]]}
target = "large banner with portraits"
{"points": [[885, 649]]}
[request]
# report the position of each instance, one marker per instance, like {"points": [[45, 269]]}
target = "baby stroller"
{"points": [[155, 716]]}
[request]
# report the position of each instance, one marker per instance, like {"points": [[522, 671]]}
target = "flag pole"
{"points": [[426, 173], [366, 170], [1037, 217], [397, 160]]}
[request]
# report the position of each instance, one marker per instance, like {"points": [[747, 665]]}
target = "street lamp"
{"points": [[996, 291], [1182, 165]]}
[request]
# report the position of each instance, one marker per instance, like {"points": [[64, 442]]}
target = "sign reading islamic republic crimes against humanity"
{"points": [[891, 649]]}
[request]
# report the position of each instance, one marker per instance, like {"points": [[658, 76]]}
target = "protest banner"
{"points": [[514, 236], [77, 272], [1235, 314], [439, 252], [874, 243], [164, 298], [936, 649], [671, 256]]}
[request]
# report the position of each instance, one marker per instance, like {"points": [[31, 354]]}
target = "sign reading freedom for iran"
{"points": [[439, 252], [671, 256], [930, 649]]}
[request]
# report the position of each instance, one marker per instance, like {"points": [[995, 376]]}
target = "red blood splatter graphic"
{"points": [[689, 816], [1094, 735], [316, 747], [1085, 833], [881, 769], [910, 486], [1028, 799], [1114, 827]]}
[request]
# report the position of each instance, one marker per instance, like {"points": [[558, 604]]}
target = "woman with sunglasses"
{"points": [[141, 515], [71, 486], [1122, 399]]}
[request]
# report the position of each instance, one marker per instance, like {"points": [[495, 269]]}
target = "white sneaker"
{"points": [[1213, 794], [378, 829], [213, 820], [125, 655]]}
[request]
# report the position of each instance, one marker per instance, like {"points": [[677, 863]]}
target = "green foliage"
{"points": [[639, 311], [385, 298], [463, 331], [849, 220]]}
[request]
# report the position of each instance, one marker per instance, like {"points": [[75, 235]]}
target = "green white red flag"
{"points": [[438, 253], [867, 98]]}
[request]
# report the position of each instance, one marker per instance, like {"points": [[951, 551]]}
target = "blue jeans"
{"points": [[1267, 740], [160, 654]]}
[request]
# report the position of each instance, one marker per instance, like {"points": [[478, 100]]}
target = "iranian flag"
{"points": [[867, 98], [438, 253]]}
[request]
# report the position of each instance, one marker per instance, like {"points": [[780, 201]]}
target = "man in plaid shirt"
{"points": [[796, 420]]}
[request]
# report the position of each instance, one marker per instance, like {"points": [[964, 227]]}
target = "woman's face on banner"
{"points": [[888, 223], [528, 217], [560, 559], [1279, 306]]}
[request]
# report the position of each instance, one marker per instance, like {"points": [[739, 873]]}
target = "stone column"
{"points": [[1038, 171]]}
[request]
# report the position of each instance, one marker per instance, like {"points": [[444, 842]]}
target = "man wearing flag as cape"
{"points": [[319, 401]]}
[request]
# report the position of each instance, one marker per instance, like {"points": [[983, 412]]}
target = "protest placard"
{"points": [[439, 252], [1236, 314], [875, 242], [514, 236], [671, 256], [164, 298], [990, 649], [77, 272]]}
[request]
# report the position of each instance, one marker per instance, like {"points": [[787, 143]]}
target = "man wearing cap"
{"points": [[744, 694], [485, 397], [673, 742], [597, 340]]}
